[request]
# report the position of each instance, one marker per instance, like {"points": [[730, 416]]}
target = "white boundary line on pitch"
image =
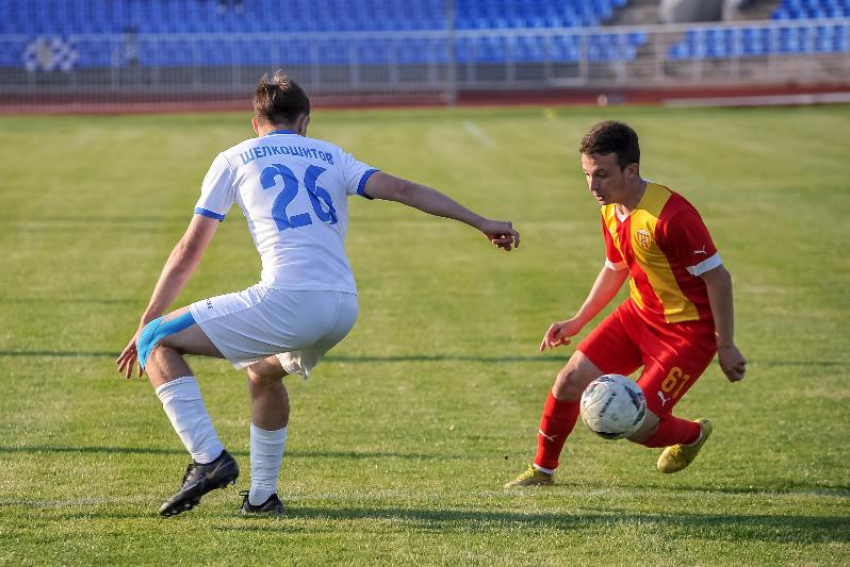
{"points": [[478, 133], [768, 100]]}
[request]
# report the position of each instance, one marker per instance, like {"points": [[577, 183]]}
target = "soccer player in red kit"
{"points": [[678, 316]]}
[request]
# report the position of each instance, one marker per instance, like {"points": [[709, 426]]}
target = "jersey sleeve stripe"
{"points": [[361, 187], [616, 267], [705, 265], [208, 213]]}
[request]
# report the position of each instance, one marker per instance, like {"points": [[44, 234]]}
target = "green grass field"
{"points": [[400, 443]]}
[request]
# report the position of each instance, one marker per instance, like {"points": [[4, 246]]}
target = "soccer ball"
{"points": [[613, 406]]}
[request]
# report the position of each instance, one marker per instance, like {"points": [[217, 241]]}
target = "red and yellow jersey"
{"points": [[666, 247]]}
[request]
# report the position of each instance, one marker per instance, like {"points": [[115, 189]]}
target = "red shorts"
{"points": [[673, 356]]}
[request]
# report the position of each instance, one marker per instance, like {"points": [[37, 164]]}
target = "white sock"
{"points": [[266, 454], [547, 471], [184, 406]]}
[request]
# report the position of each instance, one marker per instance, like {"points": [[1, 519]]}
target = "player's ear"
{"points": [[255, 124], [632, 171], [301, 124]]}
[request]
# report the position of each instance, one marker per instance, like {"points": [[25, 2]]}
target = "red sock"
{"points": [[672, 431], [556, 424]]}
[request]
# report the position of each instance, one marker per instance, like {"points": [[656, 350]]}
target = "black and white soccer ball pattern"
{"points": [[613, 406]]}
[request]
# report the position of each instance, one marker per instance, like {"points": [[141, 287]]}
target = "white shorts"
{"points": [[299, 327]]}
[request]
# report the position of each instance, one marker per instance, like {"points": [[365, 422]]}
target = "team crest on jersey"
{"points": [[644, 238]]}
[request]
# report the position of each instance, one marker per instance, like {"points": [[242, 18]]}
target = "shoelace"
{"points": [[244, 495]]}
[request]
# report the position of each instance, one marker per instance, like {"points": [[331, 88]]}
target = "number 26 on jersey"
{"points": [[321, 200]]}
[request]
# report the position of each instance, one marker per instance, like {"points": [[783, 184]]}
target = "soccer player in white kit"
{"points": [[293, 192]]}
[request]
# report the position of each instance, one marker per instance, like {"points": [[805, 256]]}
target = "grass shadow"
{"points": [[756, 527], [330, 359], [71, 300], [57, 354], [139, 219], [290, 455]]}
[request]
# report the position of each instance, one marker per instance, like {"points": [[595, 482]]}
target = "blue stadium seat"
{"points": [[491, 49], [216, 52], [528, 49], [679, 50], [204, 17], [95, 54], [12, 54], [787, 39], [295, 51], [200, 15], [372, 52], [567, 48], [464, 50], [412, 51]]}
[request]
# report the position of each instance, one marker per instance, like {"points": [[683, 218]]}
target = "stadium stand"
{"points": [[150, 32], [812, 9], [724, 42], [211, 16], [116, 53]]}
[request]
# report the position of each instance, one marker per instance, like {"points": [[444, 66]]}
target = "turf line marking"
{"points": [[478, 133]]}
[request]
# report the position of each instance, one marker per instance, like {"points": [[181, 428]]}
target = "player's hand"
{"points": [[559, 333], [130, 356], [732, 362], [501, 234]]}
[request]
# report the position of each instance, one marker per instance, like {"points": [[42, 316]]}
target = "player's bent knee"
{"points": [[157, 357], [264, 372], [574, 377], [570, 384], [265, 377], [157, 330]]}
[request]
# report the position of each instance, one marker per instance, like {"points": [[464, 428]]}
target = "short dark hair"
{"points": [[280, 100], [615, 137]]}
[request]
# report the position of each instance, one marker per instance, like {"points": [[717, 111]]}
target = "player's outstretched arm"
{"points": [[604, 289], [718, 283], [389, 188], [178, 269]]}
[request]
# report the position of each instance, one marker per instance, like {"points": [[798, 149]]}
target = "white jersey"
{"points": [[293, 191]]}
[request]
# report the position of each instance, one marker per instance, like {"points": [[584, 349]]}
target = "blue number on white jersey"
{"points": [[290, 189], [317, 194], [312, 174]]}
